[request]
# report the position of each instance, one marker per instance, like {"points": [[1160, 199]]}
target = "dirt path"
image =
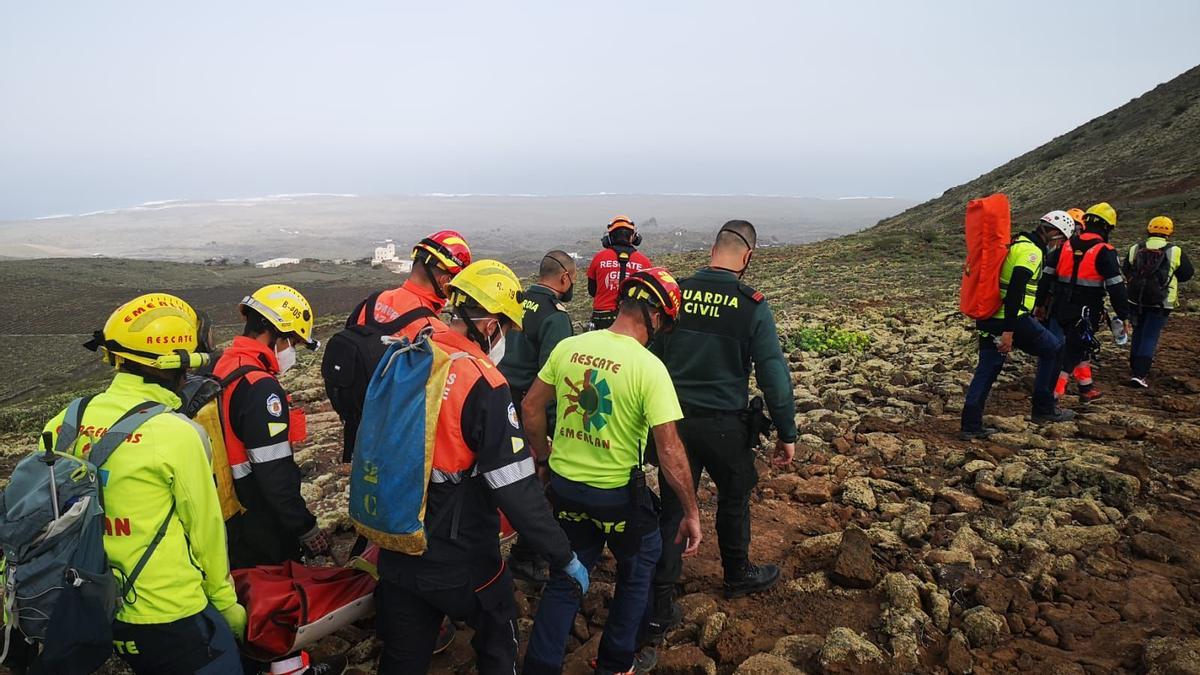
{"points": [[1073, 548]]}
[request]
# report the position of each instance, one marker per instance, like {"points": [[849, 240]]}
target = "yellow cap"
{"points": [[1105, 212], [157, 330], [491, 285], [286, 309], [1161, 225]]}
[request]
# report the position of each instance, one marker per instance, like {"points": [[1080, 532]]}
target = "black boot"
{"points": [[666, 617], [748, 578]]}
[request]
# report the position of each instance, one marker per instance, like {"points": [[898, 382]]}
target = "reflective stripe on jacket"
{"points": [[1087, 275], [1023, 252], [1174, 260]]}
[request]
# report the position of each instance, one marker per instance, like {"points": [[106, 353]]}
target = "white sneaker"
{"points": [[1139, 382]]}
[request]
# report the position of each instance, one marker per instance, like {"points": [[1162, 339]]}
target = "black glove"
{"points": [[315, 542]]}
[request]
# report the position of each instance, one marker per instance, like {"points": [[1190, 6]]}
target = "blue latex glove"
{"points": [[578, 574]]}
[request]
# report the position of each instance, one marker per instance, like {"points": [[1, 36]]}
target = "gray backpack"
{"points": [[59, 590]]}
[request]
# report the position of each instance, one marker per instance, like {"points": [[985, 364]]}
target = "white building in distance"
{"points": [[386, 255], [277, 262]]}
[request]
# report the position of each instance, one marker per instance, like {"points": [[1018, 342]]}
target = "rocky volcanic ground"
{"points": [[1073, 548]]}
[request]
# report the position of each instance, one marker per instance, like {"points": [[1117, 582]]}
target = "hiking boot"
{"points": [[646, 658], [533, 570], [1058, 415], [445, 637], [977, 433], [750, 578], [643, 662], [333, 665], [1139, 382], [1086, 397], [658, 626]]}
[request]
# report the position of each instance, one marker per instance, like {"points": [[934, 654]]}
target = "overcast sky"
{"points": [[109, 104]]}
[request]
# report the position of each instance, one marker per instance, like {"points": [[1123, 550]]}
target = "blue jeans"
{"points": [[1148, 325], [636, 551], [1030, 337]]}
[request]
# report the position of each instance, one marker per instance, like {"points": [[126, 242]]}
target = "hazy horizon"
{"points": [[112, 105]]}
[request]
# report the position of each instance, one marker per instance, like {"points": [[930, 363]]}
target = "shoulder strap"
{"points": [[141, 563], [238, 373], [623, 261], [406, 318], [1077, 253], [104, 450], [352, 320], [122, 429], [69, 431]]}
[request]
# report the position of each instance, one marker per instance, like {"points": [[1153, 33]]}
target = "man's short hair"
{"points": [[555, 263], [736, 235]]}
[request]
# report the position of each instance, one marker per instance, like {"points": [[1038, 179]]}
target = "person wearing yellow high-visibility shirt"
{"points": [[181, 614], [1154, 269]]}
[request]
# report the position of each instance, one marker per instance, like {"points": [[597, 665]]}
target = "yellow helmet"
{"points": [[1104, 211], [156, 330], [283, 307], [491, 285], [1161, 225]]}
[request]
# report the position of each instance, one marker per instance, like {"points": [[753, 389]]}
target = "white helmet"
{"points": [[1061, 221]]}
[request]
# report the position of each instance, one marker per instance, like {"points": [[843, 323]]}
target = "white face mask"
{"points": [[286, 358], [496, 353]]}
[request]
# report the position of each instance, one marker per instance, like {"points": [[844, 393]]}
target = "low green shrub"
{"points": [[827, 339]]}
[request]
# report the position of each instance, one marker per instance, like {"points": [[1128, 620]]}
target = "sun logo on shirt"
{"points": [[591, 397]]}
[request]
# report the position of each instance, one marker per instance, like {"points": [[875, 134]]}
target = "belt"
{"points": [[696, 411]]}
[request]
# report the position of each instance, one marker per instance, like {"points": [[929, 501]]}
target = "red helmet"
{"points": [[447, 248], [656, 285]]}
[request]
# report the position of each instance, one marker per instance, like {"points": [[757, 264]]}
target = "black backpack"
{"points": [[350, 359], [1150, 276]]}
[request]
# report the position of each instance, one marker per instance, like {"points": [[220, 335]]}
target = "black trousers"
{"points": [[1076, 350], [201, 643], [717, 444], [410, 608]]}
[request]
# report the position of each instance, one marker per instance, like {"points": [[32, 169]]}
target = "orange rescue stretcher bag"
{"points": [[988, 233]]}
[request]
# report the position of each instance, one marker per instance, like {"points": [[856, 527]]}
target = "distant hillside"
{"points": [[52, 306], [1143, 157]]}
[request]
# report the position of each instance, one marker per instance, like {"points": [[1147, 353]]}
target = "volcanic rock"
{"points": [[858, 492], [854, 567], [983, 627], [767, 664], [847, 652]]}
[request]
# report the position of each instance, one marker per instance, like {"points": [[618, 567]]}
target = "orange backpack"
{"points": [[988, 230]]}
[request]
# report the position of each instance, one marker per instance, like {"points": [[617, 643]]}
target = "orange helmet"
{"points": [[656, 285], [447, 249], [619, 222], [1077, 216]]}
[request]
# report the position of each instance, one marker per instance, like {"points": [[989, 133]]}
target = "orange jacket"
{"points": [[393, 304]]}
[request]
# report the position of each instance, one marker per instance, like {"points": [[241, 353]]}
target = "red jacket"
{"points": [[604, 275]]}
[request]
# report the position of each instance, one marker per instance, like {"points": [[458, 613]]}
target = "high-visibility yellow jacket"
{"points": [[165, 461], [1023, 252]]}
